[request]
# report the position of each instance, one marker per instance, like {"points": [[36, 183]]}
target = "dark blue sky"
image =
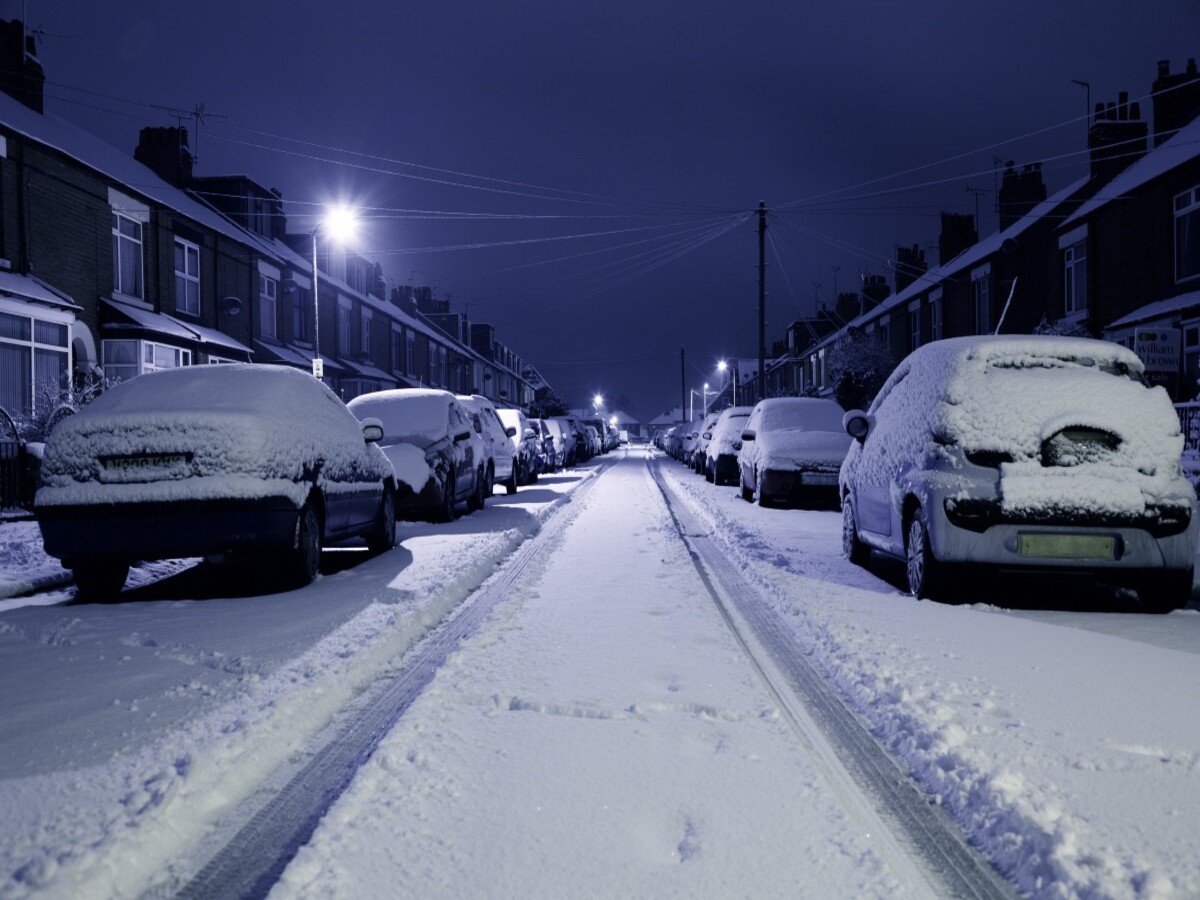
{"points": [[613, 138]]}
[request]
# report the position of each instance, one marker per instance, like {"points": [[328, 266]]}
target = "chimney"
{"points": [[1176, 99], [21, 75], [958, 233], [1021, 191], [910, 265], [848, 306], [1116, 138], [874, 291], [165, 152]]}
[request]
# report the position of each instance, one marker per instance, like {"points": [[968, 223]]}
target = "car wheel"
{"points": [[747, 492], [383, 535], [1164, 591], [99, 579], [300, 563], [510, 486], [852, 548], [476, 500], [760, 494], [445, 512], [924, 572]]}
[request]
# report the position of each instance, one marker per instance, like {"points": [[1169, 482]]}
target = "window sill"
{"points": [[133, 301]]}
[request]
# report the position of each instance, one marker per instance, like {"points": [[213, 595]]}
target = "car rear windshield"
{"points": [[810, 415], [417, 418]]}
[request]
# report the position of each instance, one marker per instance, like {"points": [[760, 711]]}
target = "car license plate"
{"points": [[825, 478], [148, 461], [1067, 546]]}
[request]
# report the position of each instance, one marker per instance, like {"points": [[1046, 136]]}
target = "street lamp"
{"points": [[723, 366], [339, 224], [704, 400], [598, 402]]}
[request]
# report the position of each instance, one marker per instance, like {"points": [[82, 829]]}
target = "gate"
{"points": [[11, 463]]}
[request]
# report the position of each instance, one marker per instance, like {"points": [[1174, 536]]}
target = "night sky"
{"points": [[581, 175]]}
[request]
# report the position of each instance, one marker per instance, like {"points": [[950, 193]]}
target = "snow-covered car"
{"points": [[792, 448], [699, 454], [1030, 454], [430, 439], [550, 459], [720, 456], [496, 436], [566, 440], [526, 444], [230, 461]]}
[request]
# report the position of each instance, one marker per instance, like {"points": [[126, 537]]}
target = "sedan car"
{"points": [[211, 461], [430, 439], [792, 448], [498, 438], [1042, 455]]}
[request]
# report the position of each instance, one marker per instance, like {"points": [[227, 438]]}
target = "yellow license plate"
{"points": [[1067, 546]]}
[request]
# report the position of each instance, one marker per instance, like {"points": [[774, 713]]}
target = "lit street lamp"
{"points": [[723, 366], [339, 224], [598, 402]]}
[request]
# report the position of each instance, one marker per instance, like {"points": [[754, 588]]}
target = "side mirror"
{"points": [[857, 424], [748, 434], [737, 445], [511, 432], [372, 430], [707, 435]]}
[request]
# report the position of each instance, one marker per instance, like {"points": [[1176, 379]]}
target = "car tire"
{"points": [[99, 580], [477, 498], [759, 494], [1163, 591], [510, 486], [445, 512], [925, 576], [382, 536], [747, 493], [852, 548], [302, 560]]}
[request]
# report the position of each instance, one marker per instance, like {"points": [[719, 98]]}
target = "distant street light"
{"points": [[704, 400], [598, 402], [340, 224]]}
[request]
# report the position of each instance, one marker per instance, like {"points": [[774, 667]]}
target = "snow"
{"points": [[728, 431], [232, 431], [792, 433], [601, 733]]}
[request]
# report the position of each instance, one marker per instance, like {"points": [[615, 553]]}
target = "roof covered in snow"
{"points": [[1158, 308]]}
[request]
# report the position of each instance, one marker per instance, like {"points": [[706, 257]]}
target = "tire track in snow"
{"points": [[268, 829], [917, 836]]}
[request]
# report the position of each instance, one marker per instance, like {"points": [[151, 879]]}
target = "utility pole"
{"points": [[682, 384], [835, 293], [762, 299]]}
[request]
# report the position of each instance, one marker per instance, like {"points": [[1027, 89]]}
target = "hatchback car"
{"points": [[700, 454], [1042, 455], [430, 439], [792, 448], [498, 438], [720, 456], [210, 461], [526, 443]]}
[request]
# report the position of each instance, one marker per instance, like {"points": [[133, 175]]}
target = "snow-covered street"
{"points": [[606, 728]]}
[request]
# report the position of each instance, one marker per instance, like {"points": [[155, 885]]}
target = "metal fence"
{"points": [[13, 489], [1189, 422]]}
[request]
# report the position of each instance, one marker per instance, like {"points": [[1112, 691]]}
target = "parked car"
{"points": [[570, 439], [720, 456], [560, 442], [430, 439], [212, 461], [549, 454], [792, 448], [503, 468], [699, 454], [526, 444], [1027, 454], [595, 447]]}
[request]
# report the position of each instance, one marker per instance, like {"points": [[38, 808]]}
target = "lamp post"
{"points": [[704, 401], [598, 403], [339, 224], [723, 366]]}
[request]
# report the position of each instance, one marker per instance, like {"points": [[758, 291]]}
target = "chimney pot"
{"points": [[1191, 67], [1164, 68]]}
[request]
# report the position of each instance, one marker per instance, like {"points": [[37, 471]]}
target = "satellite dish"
{"points": [[1008, 246], [231, 306]]}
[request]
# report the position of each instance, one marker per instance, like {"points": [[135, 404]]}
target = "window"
{"points": [[983, 308], [364, 333], [397, 350], [1191, 354], [1075, 278], [1187, 235], [268, 312], [299, 323], [125, 359], [34, 362], [935, 318], [914, 326], [444, 372], [187, 277], [127, 255], [343, 329], [410, 356], [431, 373]]}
